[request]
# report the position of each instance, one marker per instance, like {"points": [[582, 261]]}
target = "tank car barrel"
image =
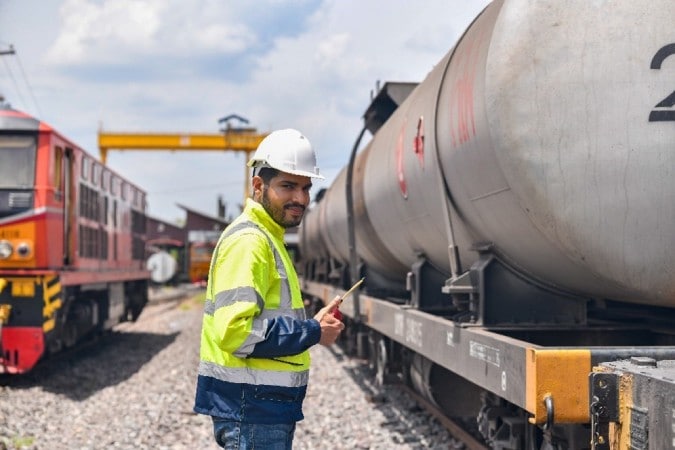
{"points": [[514, 217], [537, 134]]}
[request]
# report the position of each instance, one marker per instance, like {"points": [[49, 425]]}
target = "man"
{"points": [[255, 335]]}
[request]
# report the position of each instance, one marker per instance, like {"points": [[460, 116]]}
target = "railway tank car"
{"points": [[514, 217], [72, 242]]}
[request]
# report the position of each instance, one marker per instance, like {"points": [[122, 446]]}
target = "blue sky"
{"points": [[180, 65]]}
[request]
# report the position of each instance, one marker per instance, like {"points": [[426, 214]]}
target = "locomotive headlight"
{"points": [[23, 250], [5, 249]]}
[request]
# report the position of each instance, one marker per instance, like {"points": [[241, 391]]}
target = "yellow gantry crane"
{"points": [[229, 139]]}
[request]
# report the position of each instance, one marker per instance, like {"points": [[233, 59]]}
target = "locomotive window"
{"points": [[105, 181], [96, 174], [105, 211], [138, 199], [85, 167], [57, 175], [17, 161], [115, 185], [127, 192]]}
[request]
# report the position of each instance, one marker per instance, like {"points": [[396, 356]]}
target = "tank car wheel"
{"points": [[372, 352], [406, 364], [381, 362]]}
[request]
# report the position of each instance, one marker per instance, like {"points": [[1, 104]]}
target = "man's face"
{"points": [[285, 198]]}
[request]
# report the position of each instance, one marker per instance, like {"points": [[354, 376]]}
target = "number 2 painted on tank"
{"points": [[668, 102]]}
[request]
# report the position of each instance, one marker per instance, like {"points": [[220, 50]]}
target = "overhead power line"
{"points": [[11, 51]]}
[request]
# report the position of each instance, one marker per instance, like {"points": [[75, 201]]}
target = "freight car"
{"points": [[514, 218], [200, 260], [72, 243]]}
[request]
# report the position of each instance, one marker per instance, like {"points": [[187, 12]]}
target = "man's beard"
{"points": [[279, 214]]}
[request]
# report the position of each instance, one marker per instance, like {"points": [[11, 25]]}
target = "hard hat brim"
{"points": [[262, 164]]}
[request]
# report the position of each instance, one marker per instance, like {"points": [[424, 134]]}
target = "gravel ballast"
{"points": [[135, 390]]}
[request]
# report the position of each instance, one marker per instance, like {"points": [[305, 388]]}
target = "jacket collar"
{"points": [[257, 213]]}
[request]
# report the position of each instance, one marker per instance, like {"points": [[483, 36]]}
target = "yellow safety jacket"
{"points": [[254, 358]]}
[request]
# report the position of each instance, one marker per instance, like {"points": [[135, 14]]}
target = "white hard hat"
{"points": [[288, 151]]}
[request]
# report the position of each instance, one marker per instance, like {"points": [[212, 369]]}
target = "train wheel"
{"points": [[54, 346], [381, 362], [406, 367], [69, 334], [372, 352]]}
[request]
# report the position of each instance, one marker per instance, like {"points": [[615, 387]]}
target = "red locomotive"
{"points": [[72, 243]]}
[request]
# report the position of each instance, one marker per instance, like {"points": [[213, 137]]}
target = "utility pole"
{"points": [[3, 53]]}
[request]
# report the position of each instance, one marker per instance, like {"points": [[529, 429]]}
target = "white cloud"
{"points": [[90, 31], [124, 30], [331, 50]]}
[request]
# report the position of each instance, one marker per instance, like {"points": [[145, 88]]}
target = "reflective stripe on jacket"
{"points": [[254, 362]]}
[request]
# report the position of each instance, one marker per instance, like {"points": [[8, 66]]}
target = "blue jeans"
{"points": [[260, 436]]}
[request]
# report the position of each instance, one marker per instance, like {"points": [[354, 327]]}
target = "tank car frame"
{"points": [[516, 380]]}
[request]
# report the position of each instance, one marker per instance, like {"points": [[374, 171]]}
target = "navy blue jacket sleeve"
{"points": [[287, 336]]}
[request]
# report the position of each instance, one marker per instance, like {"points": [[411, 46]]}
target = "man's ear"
{"points": [[257, 184]]}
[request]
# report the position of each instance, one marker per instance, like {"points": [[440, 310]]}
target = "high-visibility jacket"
{"points": [[254, 358]]}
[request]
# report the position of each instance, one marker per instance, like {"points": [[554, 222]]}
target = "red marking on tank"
{"points": [[403, 186], [462, 117], [465, 110], [418, 141]]}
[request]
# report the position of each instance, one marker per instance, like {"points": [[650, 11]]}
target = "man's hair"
{"points": [[267, 173]]}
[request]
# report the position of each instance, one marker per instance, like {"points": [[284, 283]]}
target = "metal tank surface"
{"points": [[548, 131]]}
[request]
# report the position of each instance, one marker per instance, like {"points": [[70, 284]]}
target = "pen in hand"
{"points": [[336, 312]]}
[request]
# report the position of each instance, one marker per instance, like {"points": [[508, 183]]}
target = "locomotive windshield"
{"points": [[17, 162]]}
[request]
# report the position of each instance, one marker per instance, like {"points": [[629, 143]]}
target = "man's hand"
{"points": [[330, 326], [329, 308]]}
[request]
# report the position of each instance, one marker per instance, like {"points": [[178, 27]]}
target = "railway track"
{"points": [[455, 428], [378, 387]]}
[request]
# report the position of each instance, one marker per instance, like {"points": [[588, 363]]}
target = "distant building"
{"points": [[158, 230], [201, 227]]}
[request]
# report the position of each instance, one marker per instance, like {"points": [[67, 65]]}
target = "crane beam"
{"points": [[231, 140]]}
